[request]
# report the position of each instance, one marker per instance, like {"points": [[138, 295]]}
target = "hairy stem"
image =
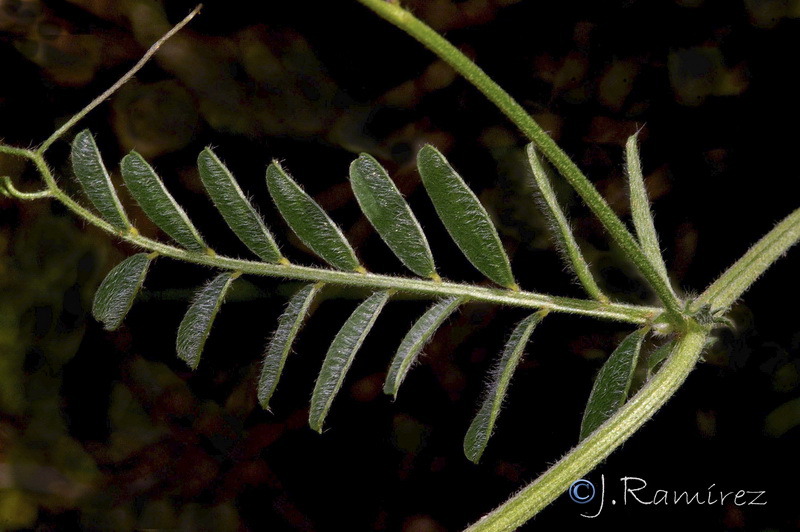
{"points": [[610, 435], [8, 188], [420, 31], [732, 284], [120, 82]]}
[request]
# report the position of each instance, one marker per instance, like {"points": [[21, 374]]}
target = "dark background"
{"points": [[109, 431]]}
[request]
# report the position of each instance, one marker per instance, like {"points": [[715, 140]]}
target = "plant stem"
{"points": [[610, 435], [732, 284], [8, 188], [417, 29], [120, 82], [425, 287]]}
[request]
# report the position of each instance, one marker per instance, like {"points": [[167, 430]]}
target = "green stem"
{"points": [[610, 435], [516, 113], [8, 188], [732, 284], [425, 287]]}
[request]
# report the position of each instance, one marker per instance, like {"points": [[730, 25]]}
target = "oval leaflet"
{"points": [[116, 293], [480, 430], [416, 338], [464, 217], [196, 324], [235, 208], [158, 204], [611, 386], [390, 215], [340, 356], [281, 342], [309, 222], [87, 164]]}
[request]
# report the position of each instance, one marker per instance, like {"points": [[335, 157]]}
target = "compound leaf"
{"points": [[464, 217], [196, 324], [307, 219], [482, 426], [158, 204], [611, 386], [116, 293], [237, 210], [340, 356], [87, 164], [281, 342], [390, 215], [416, 338]]}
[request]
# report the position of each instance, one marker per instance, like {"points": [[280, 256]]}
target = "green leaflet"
{"points": [[158, 204], [611, 386], [464, 217], [561, 228], [416, 338], [237, 210], [340, 355], [390, 215], [658, 356], [92, 174], [196, 324], [481, 428], [309, 221], [640, 210], [281, 342], [116, 293]]}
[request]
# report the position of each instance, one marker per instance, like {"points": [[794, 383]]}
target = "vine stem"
{"points": [[435, 289], [732, 284], [120, 82], [610, 435], [7, 188], [392, 12]]}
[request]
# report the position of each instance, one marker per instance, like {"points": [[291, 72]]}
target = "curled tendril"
{"points": [[8, 189]]}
